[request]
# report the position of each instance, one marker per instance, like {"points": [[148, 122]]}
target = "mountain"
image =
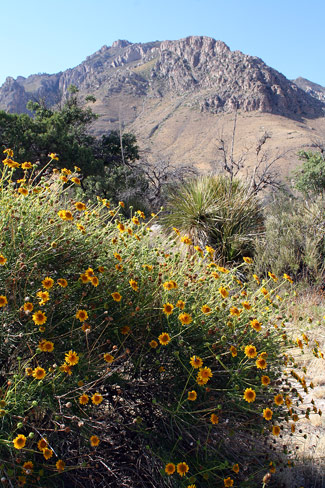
{"points": [[174, 94]]}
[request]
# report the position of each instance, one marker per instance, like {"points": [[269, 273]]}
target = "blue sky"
{"points": [[53, 35]]}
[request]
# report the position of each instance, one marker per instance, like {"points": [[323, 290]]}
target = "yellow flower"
{"points": [[46, 346], [121, 227], [62, 282], [65, 215], [81, 315], [117, 256], [135, 220], [47, 453], [186, 240], [10, 163], [60, 465], [233, 351], [170, 468], [153, 344], [246, 305], [180, 304], [94, 281], [44, 296], [286, 277], [248, 260], [3, 260], [273, 276], [84, 278], [278, 399], [256, 278], [228, 482], [39, 318], [249, 395], [235, 468], [66, 368], [168, 308], [267, 413], [185, 318], [9, 152], [168, 285], [176, 231], [97, 398], [275, 430], [235, 311], [134, 285], [264, 291], [256, 325], [265, 380], [42, 444], [214, 419], [182, 469], [76, 181], [47, 283], [19, 441], [148, 267], [80, 206], [83, 399], [261, 363], [223, 292], [108, 358], [3, 301], [38, 373], [192, 395], [28, 467], [94, 441], [121, 204], [206, 309], [71, 358], [205, 373], [23, 191], [164, 338], [196, 362], [54, 156], [250, 351]]}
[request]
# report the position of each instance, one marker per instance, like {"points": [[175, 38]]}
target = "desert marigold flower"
{"points": [[192, 395], [83, 399], [201, 381], [223, 292], [108, 358], [215, 275], [94, 281], [170, 468], [288, 402], [235, 311], [71, 358], [153, 344], [3, 301], [164, 338], [196, 362], [199, 250], [42, 444], [264, 291], [186, 240], [235, 468], [206, 309], [249, 395], [121, 204], [47, 453], [278, 399], [94, 441], [81, 315], [28, 467], [233, 351], [10, 163], [19, 441], [261, 363], [185, 318], [81, 227], [287, 277], [116, 296], [39, 373], [267, 413], [265, 380], [46, 346], [9, 152], [63, 178], [48, 283], [76, 180], [246, 305], [135, 220], [101, 269], [125, 330], [117, 256], [250, 351], [256, 325], [214, 419], [142, 215], [168, 308], [43, 296], [66, 368], [168, 285], [134, 285], [23, 191], [247, 260], [256, 278], [228, 482], [97, 398], [273, 276], [66, 171], [121, 227], [28, 371], [60, 465], [54, 156], [62, 282], [275, 430], [180, 304], [39, 318], [182, 469], [84, 278], [3, 260], [205, 373], [147, 267]]}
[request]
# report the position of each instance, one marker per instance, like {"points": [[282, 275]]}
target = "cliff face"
{"points": [[205, 72]]}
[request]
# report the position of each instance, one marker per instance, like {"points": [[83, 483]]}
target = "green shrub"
{"points": [[216, 211], [121, 362]]}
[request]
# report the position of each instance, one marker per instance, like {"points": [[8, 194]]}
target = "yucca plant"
{"points": [[216, 211]]}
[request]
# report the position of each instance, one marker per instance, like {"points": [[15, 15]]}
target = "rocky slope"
{"points": [[177, 96]]}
